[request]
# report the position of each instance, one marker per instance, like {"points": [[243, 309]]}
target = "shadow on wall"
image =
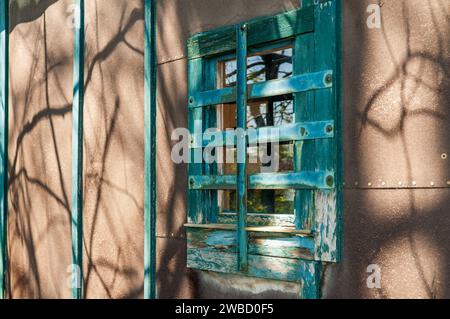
{"points": [[40, 154], [398, 112], [27, 10]]}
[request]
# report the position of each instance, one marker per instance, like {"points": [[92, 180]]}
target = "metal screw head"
{"points": [[191, 100], [444, 156], [191, 182], [244, 26], [330, 181], [329, 128], [328, 79]]}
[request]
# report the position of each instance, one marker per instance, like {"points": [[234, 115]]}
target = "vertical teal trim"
{"points": [[4, 87], [77, 152], [241, 104], [339, 130], [150, 70]]}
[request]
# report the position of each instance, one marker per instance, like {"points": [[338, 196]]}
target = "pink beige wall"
{"points": [[396, 116]]}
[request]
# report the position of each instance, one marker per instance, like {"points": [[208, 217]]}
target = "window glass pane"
{"points": [[259, 201], [273, 111], [261, 67], [268, 159]]}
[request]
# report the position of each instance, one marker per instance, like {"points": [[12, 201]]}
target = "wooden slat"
{"points": [[77, 152], [241, 144], [284, 220], [292, 132], [294, 84], [327, 211], [4, 90], [256, 229], [300, 180], [284, 245], [150, 69], [261, 30], [284, 269]]}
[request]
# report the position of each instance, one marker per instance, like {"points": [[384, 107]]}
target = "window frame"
{"points": [[318, 208]]}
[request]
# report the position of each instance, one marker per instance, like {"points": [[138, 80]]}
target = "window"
{"points": [[264, 178]]}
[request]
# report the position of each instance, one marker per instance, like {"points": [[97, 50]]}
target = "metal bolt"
{"points": [[329, 128], [330, 180], [191, 100], [244, 27], [328, 79]]}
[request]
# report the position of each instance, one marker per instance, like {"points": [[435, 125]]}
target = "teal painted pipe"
{"points": [[77, 153], [4, 69], [150, 69], [241, 87]]}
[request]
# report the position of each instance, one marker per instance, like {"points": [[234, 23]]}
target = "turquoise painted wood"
{"points": [[317, 161], [264, 244], [241, 110], [77, 152], [300, 131], [4, 91], [195, 124], [260, 30], [327, 211], [294, 84], [150, 109], [283, 220], [299, 180], [276, 268]]}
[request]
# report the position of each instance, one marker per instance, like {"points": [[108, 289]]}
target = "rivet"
{"points": [[444, 156], [400, 183], [432, 183], [383, 184], [356, 183], [414, 183], [369, 184]]}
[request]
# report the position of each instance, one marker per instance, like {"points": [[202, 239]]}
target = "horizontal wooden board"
{"points": [[260, 30], [300, 180], [294, 84], [283, 220], [284, 269], [293, 132], [256, 229]]}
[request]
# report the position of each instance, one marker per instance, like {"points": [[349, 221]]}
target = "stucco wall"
{"points": [[396, 119]]}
